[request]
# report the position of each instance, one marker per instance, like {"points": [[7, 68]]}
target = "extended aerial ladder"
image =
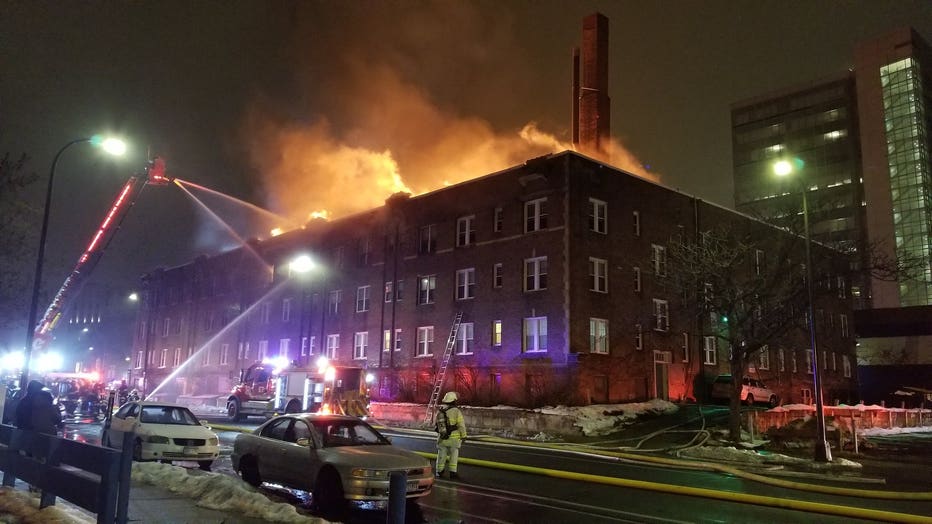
{"points": [[154, 175], [441, 373]]}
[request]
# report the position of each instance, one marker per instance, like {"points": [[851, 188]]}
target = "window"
{"points": [[465, 231], [685, 347], [176, 360], [465, 284], [497, 220], [636, 223], [265, 313], [304, 346], [598, 335], [710, 350], [399, 290], [824, 360], [286, 309], [834, 362], [598, 216], [224, 354], [661, 315], [659, 259], [427, 239], [598, 271], [842, 288], [333, 344], [425, 337], [338, 256], [362, 298], [637, 279], [497, 275], [793, 365], [263, 349], [284, 347], [535, 215], [758, 261], [843, 322], [496, 333], [781, 360], [427, 286], [764, 358], [139, 359], [809, 361], [535, 334], [638, 337], [163, 358], [335, 297], [205, 356], [166, 327], [389, 291], [464, 339], [535, 274], [360, 345], [363, 252], [387, 339], [311, 345], [846, 366]]}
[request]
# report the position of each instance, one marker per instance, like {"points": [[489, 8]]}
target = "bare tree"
{"points": [[747, 284], [17, 239]]}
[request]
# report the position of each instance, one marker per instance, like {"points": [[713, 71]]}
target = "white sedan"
{"points": [[336, 457], [163, 432]]}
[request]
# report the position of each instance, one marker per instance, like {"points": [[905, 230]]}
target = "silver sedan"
{"points": [[336, 457]]}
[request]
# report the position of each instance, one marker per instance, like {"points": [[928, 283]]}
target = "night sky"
{"points": [[296, 105]]}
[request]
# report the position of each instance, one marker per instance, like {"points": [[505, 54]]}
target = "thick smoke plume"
{"points": [[380, 133]]}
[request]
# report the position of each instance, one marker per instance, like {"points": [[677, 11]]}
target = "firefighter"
{"points": [[451, 432]]}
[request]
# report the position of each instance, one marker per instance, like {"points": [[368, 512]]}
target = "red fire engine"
{"points": [[270, 387]]}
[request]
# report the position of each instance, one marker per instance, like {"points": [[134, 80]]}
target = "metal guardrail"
{"points": [[92, 477]]}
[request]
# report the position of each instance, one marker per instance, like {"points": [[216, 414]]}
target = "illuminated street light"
{"points": [[302, 264], [133, 297], [110, 145], [823, 452]]}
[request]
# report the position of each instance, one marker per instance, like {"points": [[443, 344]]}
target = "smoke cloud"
{"points": [[381, 132]]}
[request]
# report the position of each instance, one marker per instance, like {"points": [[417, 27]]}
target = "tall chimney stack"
{"points": [[591, 104]]}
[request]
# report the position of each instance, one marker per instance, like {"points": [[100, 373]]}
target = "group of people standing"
{"points": [[36, 411]]}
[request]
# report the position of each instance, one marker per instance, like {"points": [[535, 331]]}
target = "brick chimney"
{"points": [[591, 105]]}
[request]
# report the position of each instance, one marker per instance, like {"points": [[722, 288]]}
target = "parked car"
{"points": [[161, 431], [752, 390], [336, 457]]}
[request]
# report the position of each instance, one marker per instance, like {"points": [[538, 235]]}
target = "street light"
{"points": [[112, 146], [823, 452]]}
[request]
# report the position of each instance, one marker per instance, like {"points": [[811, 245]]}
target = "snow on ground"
{"points": [[208, 490], [874, 432], [751, 457], [603, 419], [219, 492]]}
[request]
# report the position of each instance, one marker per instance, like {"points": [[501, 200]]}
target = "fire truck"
{"points": [[268, 388]]}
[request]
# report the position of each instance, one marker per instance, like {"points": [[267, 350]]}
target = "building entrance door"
{"points": [[662, 374]]}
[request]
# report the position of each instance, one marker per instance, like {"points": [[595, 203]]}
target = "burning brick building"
{"points": [[557, 266]]}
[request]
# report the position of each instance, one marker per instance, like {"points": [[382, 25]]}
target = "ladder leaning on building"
{"points": [[441, 373]]}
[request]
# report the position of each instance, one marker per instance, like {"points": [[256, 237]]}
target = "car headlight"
{"points": [[213, 441], [369, 473], [157, 439]]}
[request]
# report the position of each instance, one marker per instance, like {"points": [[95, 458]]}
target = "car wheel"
{"points": [[249, 471], [137, 450], [293, 407], [750, 400], [233, 411], [773, 401], [204, 465], [328, 492]]}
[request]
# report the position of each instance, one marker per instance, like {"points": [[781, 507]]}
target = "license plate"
{"points": [[190, 451], [412, 485]]}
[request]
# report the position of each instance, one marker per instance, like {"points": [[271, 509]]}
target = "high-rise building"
{"points": [[861, 141]]}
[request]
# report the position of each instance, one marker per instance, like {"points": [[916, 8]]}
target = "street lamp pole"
{"points": [[822, 450], [112, 146]]}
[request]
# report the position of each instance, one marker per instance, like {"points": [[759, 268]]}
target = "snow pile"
{"points": [[874, 432], [603, 419], [216, 491], [23, 506], [751, 457]]}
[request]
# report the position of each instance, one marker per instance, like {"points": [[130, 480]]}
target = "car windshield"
{"points": [[168, 415], [337, 433]]}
